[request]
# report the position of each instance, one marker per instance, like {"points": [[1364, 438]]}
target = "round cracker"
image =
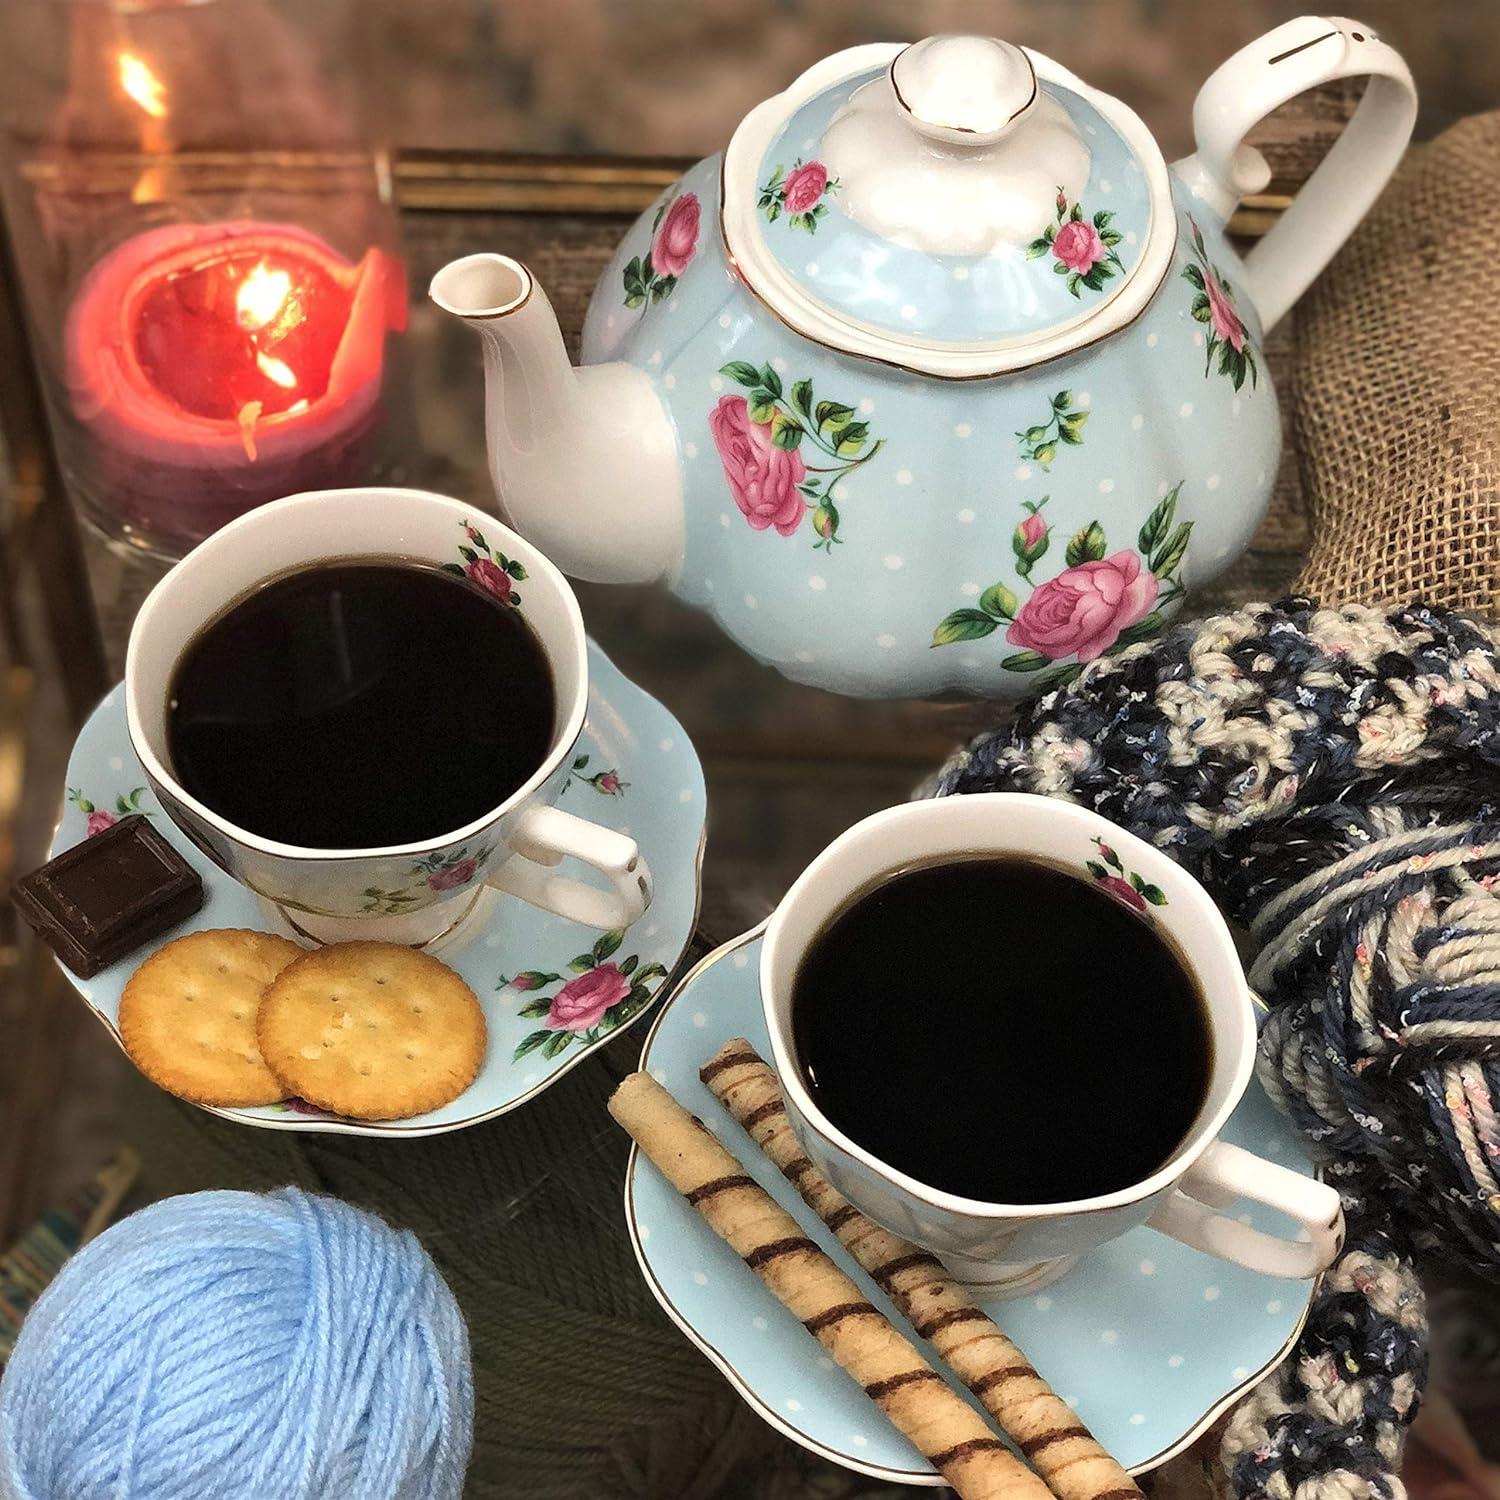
{"points": [[187, 1015], [372, 1030]]}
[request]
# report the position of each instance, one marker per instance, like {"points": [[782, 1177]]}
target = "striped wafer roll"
{"points": [[892, 1371], [1040, 1423]]}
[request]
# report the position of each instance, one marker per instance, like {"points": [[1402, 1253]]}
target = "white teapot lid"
{"points": [[959, 207]]}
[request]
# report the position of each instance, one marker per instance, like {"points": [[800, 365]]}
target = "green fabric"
{"points": [[583, 1387]]}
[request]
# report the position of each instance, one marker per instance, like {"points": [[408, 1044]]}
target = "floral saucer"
{"points": [[1148, 1340], [638, 772]]}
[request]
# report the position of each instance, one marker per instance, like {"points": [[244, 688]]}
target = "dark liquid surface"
{"points": [[1004, 1031], [360, 703]]}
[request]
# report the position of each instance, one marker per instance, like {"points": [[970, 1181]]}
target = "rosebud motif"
{"points": [[826, 522]]}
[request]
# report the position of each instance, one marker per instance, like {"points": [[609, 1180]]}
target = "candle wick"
{"points": [[249, 415]]}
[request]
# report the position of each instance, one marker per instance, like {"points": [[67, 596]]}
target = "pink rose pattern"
{"points": [[604, 994], [800, 194], [607, 783], [1083, 611], [761, 438], [676, 238], [674, 242], [97, 819], [762, 477], [493, 571], [449, 871], [1099, 602], [1227, 340], [1124, 885], [1082, 247], [581, 1002]]}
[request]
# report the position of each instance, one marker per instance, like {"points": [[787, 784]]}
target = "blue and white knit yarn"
{"points": [[1333, 777]]}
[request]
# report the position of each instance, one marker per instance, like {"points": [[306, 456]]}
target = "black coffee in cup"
{"points": [[1004, 1029], [361, 703]]}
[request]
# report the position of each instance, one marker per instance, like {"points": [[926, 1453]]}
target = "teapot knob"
{"points": [[963, 90]]}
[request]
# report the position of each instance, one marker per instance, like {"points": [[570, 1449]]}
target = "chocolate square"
{"points": [[105, 897]]}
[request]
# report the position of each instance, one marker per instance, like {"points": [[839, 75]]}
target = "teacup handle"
{"points": [[542, 836], [1190, 1213]]}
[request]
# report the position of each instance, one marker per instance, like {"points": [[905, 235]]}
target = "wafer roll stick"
{"points": [[892, 1371], [1040, 1423]]}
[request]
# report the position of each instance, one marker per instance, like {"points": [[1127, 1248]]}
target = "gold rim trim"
{"points": [[669, 995], [1010, 119], [894, 364]]}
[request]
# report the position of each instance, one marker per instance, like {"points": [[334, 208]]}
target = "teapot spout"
{"points": [[584, 461]]}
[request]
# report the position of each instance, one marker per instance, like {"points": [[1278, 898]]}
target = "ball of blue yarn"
{"points": [[239, 1344]]}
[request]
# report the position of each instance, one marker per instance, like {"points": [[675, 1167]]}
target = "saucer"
{"points": [[634, 770], [1148, 1340]]}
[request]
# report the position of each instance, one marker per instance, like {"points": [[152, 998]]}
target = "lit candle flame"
{"points": [[277, 371], [261, 296], [142, 85]]}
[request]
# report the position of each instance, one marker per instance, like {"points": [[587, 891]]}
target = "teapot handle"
{"points": [[1293, 58]]}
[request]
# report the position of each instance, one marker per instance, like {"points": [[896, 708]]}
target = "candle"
{"points": [[219, 366]]}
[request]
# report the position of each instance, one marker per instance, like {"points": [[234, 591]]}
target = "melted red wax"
{"points": [[191, 342]]}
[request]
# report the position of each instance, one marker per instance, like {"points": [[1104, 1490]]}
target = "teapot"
{"points": [[938, 378]]}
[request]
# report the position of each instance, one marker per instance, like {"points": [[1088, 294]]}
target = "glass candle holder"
{"points": [[207, 253]]}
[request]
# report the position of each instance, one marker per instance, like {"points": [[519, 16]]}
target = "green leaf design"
{"points": [[1096, 869], [999, 601], [454, 568], [830, 415], [468, 554], [1086, 545], [1070, 429], [1194, 273], [741, 372], [628, 965], [802, 393], [536, 979], [963, 625], [651, 971], [582, 964], [1142, 630], [661, 288], [762, 407], [1170, 554], [786, 432], [1026, 661], [1159, 522], [607, 944], [534, 1008], [1153, 893], [516, 570], [1038, 248], [532, 1042], [556, 1043], [852, 438], [770, 380]]}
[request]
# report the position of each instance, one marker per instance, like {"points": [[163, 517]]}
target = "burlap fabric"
{"points": [[1396, 408]]}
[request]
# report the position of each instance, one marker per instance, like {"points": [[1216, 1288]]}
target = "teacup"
{"points": [[1012, 1248], [411, 892]]}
